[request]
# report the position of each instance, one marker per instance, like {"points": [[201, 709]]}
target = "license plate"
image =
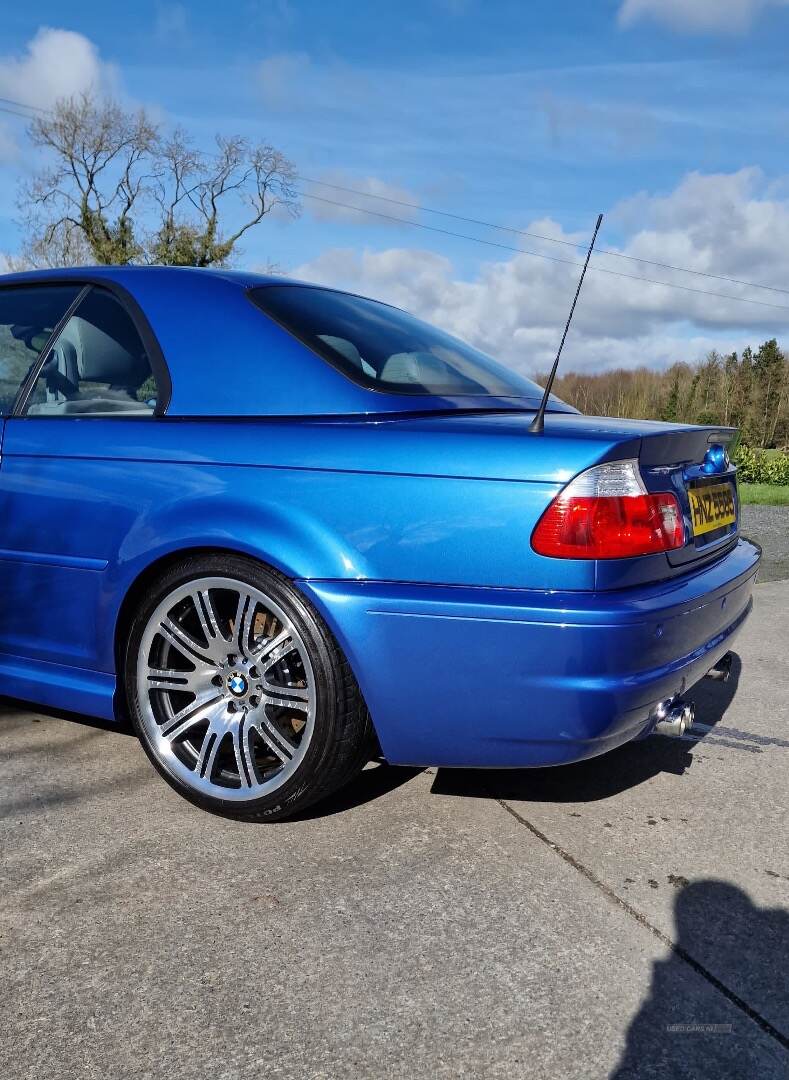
{"points": [[711, 507]]}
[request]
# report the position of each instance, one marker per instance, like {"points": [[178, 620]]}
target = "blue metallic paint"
{"points": [[535, 677], [204, 321], [410, 533]]}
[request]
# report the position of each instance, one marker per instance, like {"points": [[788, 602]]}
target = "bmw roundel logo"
{"points": [[716, 460], [237, 684]]}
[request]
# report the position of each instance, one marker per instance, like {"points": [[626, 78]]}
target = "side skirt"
{"points": [[58, 687]]}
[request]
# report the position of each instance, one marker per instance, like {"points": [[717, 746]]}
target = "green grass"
{"points": [[764, 494]]}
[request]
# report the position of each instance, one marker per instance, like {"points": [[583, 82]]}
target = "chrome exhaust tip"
{"points": [[674, 718], [722, 670]]}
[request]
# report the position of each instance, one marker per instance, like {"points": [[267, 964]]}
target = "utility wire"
{"points": [[6, 103], [540, 236], [22, 105], [14, 112], [542, 255]]}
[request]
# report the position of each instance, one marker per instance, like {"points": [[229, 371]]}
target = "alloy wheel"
{"points": [[226, 689]]}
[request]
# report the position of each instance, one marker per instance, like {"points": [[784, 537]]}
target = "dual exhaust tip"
{"points": [[676, 716]]}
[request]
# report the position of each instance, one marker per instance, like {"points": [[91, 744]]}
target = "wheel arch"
{"points": [[159, 566], [346, 740], [286, 540], [150, 573]]}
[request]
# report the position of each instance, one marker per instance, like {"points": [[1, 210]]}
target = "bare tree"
{"points": [[192, 189], [116, 190], [61, 245], [98, 154]]}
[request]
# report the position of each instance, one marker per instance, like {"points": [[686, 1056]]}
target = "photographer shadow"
{"points": [[718, 1004]]}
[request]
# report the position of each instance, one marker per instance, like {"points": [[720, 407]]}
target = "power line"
{"points": [[6, 102], [540, 236], [22, 105], [15, 112], [542, 255]]}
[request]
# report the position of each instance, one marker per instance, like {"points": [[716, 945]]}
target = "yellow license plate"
{"points": [[711, 507]]}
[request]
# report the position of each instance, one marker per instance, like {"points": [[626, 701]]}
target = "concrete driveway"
{"points": [[626, 917]]}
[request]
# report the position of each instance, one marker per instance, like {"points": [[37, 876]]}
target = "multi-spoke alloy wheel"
{"points": [[231, 675]]}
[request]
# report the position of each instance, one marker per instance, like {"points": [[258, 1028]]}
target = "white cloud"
{"points": [[345, 193], [733, 225], [693, 16], [56, 64]]}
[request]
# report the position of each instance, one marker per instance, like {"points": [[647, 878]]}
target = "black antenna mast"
{"points": [[537, 426]]}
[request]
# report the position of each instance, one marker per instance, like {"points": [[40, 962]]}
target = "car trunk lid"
{"points": [[696, 466]]}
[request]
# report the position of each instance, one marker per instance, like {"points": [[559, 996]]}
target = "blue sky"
{"points": [[672, 116]]}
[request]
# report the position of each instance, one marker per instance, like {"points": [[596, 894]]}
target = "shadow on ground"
{"points": [[587, 781], [377, 780], [15, 714], [742, 951]]}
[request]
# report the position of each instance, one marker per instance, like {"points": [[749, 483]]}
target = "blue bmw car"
{"points": [[283, 529]]}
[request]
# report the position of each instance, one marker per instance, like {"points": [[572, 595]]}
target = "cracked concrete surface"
{"points": [[625, 917]]}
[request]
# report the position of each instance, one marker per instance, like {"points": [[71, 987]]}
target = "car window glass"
{"points": [[97, 367], [28, 315], [386, 349]]}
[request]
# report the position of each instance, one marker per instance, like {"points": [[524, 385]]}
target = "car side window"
{"points": [[28, 315], [98, 365]]}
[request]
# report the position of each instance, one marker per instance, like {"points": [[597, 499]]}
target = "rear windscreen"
{"points": [[386, 349]]}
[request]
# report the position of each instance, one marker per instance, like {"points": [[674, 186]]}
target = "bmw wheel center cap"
{"points": [[237, 684]]}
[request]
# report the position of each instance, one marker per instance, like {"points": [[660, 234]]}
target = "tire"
{"points": [[238, 692]]}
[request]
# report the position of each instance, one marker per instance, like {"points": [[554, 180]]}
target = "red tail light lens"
{"points": [[607, 513]]}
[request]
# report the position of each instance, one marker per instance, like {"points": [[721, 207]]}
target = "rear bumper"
{"points": [[501, 677]]}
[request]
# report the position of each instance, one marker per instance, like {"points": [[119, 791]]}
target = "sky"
{"points": [[669, 116]]}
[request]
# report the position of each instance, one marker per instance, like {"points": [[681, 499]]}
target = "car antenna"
{"points": [[537, 426]]}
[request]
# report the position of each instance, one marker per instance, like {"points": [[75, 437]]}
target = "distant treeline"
{"points": [[750, 391]]}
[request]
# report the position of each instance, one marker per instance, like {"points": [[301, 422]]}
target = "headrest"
{"points": [[34, 337], [425, 369], [345, 348], [416, 367]]}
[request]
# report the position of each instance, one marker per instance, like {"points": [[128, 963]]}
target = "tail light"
{"points": [[607, 513]]}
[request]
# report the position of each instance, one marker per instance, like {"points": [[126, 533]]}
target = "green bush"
{"points": [[761, 466]]}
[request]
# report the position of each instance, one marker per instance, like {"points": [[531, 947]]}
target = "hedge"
{"points": [[761, 466]]}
